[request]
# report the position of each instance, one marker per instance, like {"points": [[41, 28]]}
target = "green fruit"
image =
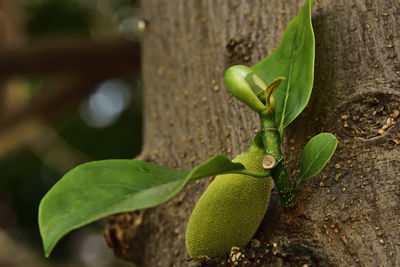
{"points": [[230, 210]]}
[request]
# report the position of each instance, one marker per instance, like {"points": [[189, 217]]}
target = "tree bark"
{"points": [[351, 211]]}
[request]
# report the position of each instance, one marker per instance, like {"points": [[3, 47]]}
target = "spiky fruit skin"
{"points": [[230, 210]]}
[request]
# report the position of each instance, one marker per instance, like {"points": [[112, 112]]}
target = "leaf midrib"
{"points": [[287, 88]]}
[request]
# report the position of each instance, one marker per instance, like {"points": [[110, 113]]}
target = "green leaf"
{"points": [[293, 59], [316, 154], [101, 188]]}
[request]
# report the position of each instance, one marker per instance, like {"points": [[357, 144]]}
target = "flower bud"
{"points": [[246, 86]]}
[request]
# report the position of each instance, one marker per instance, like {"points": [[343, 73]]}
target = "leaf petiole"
{"points": [[255, 174]]}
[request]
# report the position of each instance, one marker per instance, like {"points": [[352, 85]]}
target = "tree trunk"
{"points": [[351, 211]]}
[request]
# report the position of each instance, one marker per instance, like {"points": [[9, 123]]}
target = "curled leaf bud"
{"points": [[272, 102], [246, 86]]}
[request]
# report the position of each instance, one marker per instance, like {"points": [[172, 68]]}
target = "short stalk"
{"points": [[255, 174], [272, 141]]}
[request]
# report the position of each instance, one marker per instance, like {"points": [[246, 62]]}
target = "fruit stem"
{"points": [[272, 144]]}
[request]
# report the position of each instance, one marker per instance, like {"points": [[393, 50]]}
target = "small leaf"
{"points": [[316, 154], [101, 188], [293, 59]]}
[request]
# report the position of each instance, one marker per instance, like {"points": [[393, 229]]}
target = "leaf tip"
{"points": [[47, 249]]}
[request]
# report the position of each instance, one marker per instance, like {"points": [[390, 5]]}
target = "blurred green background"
{"points": [[62, 104]]}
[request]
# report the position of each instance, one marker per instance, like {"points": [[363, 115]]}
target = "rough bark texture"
{"points": [[351, 211]]}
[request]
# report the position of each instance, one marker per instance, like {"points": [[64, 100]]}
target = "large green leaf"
{"points": [[316, 154], [293, 59], [100, 188]]}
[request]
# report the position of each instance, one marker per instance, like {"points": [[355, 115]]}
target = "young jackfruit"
{"points": [[230, 210]]}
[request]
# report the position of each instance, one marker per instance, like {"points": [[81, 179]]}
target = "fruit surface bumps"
{"points": [[230, 210]]}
